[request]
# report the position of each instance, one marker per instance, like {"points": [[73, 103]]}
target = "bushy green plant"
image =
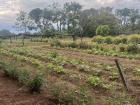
{"points": [[59, 69], [133, 48], [23, 76], [84, 45], [137, 72], [135, 39], [103, 30], [9, 71], [53, 54], [117, 40], [94, 80], [72, 45], [36, 83], [55, 42], [98, 39], [122, 48], [108, 40], [50, 66]]}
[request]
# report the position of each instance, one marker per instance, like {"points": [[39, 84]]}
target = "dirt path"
{"points": [[12, 93], [131, 63]]}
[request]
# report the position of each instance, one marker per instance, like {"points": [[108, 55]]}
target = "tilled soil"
{"points": [[13, 93], [131, 63]]}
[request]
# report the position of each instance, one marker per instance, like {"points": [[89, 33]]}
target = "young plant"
{"points": [[23, 76], [94, 80], [36, 83]]}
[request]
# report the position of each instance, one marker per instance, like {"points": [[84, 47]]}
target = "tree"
{"points": [[36, 15], [103, 30], [23, 23], [72, 13]]}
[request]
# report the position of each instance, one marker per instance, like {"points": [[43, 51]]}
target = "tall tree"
{"points": [[23, 23]]}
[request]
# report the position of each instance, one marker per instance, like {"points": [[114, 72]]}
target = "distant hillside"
{"points": [[5, 32]]}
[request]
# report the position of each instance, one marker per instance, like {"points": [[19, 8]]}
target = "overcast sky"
{"points": [[9, 8]]}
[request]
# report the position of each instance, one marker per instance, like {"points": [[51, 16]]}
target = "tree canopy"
{"points": [[72, 19]]}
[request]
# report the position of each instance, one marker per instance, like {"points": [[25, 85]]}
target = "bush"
{"points": [[134, 48], [108, 40], [59, 70], [102, 30], [84, 45], [135, 39], [124, 40], [72, 45], [122, 48], [36, 84], [94, 80], [98, 39], [23, 76], [55, 42]]}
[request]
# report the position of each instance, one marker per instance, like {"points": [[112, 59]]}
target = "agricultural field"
{"points": [[59, 71]]}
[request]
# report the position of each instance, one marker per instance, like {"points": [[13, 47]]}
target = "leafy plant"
{"points": [[23, 76], [59, 69], [94, 80], [36, 83]]}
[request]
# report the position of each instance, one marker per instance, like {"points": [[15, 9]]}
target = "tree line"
{"points": [[72, 19]]}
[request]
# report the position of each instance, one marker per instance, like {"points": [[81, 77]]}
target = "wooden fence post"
{"points": [[122, 75]]}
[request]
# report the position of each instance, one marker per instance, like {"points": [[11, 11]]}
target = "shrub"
{"points": [[137, 72], [53, 54], [94, 80], [50, 66], [135, 39], [72, 45], [23, 76], [8, 70], [59, 69], [124, 40], [134, 48], [102, 30], [98, 39], [117, 40], [122, 48], [55, 42], [108, 40], [36, 84], [84, 45]]}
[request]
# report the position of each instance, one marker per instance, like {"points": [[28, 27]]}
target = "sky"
{"points": [[10, 8]]}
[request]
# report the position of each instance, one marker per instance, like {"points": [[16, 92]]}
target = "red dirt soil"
{"points": [[12, 93]]}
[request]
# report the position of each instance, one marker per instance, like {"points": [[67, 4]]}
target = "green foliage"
{"points": [[133, 48], [94, 80], [98, 39], [59, 70], [55, 42], [72, 45], [103, 30], [122, 48], [66, 95], [108, 40], [135, 39], [24, 76], [36, 83], [137, 72], [121, 99]]}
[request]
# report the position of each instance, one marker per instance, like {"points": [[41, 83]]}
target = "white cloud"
{"points": [[9, 8]]}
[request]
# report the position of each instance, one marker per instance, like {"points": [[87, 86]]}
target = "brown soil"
{"points": [[12, 93]]}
